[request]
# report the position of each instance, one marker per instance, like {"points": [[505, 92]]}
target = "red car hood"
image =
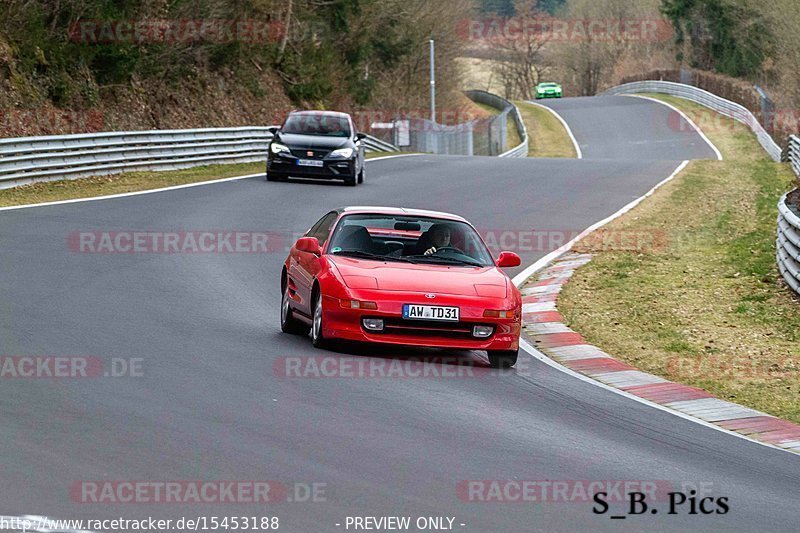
{"points": [[465, 281]]}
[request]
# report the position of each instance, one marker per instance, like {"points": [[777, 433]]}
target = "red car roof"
{"points": [[401, 211]]}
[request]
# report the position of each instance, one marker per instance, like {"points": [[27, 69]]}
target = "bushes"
{"points": [[333, 53], [727, 36]]}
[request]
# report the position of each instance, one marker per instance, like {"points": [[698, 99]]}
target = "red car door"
{"points": [[304, 266]]}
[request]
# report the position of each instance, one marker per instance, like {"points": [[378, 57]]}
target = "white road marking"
{"points": [[685, 117], [541, 290], [164, 189], [548, 328], [578, 351], [538, 307], [628, 378], [577, 146]]}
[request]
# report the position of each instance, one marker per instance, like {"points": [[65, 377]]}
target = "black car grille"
{"points": [[431, 328], [310, 154]]}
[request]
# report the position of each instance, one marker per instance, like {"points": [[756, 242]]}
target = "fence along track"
{"points": [[30, 159]]}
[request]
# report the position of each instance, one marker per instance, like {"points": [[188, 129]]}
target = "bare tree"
{"points": [[518, 47]]}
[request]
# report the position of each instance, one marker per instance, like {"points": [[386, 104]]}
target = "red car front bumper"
{"points": [[346, 324]]}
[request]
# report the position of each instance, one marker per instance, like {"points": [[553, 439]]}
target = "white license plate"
{"points": [[430, 312], [309, 163]]}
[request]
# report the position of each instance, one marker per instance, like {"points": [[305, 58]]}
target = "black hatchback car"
{"points": [[317, 144]]}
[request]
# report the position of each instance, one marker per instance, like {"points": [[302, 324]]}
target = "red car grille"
{"points": [[427, 328]]}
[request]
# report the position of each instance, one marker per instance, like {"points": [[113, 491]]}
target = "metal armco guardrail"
{"points": [[29, 159], [792, 153], [788, 245], [522, 149], [501, 103], [707, 99]]}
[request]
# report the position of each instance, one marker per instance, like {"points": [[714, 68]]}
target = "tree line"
{"points": [[361, 53]]}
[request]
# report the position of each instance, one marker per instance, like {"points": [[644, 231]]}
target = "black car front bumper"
{"points": [[280, 165]]}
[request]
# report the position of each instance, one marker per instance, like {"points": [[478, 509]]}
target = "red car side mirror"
{"points": [[309, 244], [508, 260]]}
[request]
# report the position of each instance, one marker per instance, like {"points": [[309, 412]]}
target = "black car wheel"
{"points": [[361, 175], [350, 181], [272, 176]]}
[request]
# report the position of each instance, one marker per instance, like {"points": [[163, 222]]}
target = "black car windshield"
{"points": [[410, 239], [317, 124]]}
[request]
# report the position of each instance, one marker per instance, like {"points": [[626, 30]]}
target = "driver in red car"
{"points": [[437, 236]]}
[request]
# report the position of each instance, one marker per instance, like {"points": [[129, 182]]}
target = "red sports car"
{"points": [[404, 277]]}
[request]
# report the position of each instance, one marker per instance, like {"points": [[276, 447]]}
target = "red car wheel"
{"points": [[289, 324], [317, 339]]}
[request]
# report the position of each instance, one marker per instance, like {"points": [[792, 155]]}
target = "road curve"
{"points": [[628, 128], [210, 405]]}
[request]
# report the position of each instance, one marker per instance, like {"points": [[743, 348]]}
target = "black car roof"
{"points": [[327, 113]]}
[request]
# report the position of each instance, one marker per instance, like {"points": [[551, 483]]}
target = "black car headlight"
{"points": [[277, 148], [342, 153]]}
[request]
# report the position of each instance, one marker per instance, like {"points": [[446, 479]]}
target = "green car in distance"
{"points": [[548, 90]]}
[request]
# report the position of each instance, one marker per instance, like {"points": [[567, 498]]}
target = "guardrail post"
{"points": [[788, 245]]}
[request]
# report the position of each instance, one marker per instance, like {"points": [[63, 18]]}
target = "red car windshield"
{"points": [[407, 238]]}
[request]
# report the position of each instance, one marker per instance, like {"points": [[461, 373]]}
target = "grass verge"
{"points": [[512, 135], [547, 135], [54, 191], [706, 307]]}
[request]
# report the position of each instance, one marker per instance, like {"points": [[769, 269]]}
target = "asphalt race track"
{"points": [[210, 405]]}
